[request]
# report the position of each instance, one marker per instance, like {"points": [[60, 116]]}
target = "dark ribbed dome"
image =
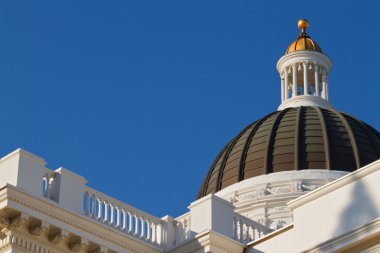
{"points": [[294, 139]]}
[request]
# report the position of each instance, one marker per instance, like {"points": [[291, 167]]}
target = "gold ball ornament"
{"points": [[303, 24]]}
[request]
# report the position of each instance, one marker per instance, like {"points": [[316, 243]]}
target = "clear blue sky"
{"points": [[140, 96]]}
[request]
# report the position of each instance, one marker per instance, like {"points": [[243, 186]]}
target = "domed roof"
{"points": [[294, 139], [303, 41]]}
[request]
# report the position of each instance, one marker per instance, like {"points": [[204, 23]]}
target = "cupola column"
{"points": [[316, 77], [304, 71], [294, 71], [286, 84], [282, 89], [324, 87], [305, 79]]}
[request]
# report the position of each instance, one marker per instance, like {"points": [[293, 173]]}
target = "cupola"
{"points": [[304, 71]]}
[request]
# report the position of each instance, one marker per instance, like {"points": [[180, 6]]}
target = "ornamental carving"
{"points": [[243, 197], [279, 190], [4, 222], [310, 187], [36, 227], [75, 244], [16, 221], [55, 235], [298, 186]]}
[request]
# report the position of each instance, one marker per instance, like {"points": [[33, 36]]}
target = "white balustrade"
{"points": [[246, 230], [123, 217]]}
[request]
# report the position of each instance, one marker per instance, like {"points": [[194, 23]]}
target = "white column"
{"points": [[124, 228], [99, 209], [305, 79], [136, 219], [324, 86], [148, 228], [282, 90], [294, 70], [106, 211], [112, 214], [316, 77], [130, 221], [286, 84], [142, 223], [327, 88], [118, 216]]}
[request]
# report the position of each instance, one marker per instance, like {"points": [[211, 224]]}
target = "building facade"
{"points": [[301, 179]]}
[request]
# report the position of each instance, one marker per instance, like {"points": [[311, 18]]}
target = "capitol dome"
{"points": [[305, 134], [301, 138]]}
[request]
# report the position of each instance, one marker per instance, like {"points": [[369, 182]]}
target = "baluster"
{"points": [[250, 233], [49, 179], [117, 217], [142, 232], [147, 230], [112, 214], [257, 234], [124, 228], [99, 208], [186, 229], [245, 232], [136, 224], [130, 222], [105, 218]]}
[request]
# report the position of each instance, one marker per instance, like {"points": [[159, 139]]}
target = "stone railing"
{"points": [[182, 229], [246, 230], [123, 217], [26, 171]]}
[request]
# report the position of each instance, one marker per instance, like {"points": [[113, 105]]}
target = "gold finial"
{"points": [[303, 24]]}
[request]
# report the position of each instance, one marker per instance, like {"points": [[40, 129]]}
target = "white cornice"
{"points": [[352, 177], [304, 56], [71, 174], [305, 100], [23, 152], [80, 225]]}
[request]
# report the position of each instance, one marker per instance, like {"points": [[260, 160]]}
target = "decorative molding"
{"points": [[75, 244], [55, 235], [16, 221], [264, 198], [48, 210], [36, 227], [304, 56]]}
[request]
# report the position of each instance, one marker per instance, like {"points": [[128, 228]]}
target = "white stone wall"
{"points": [[337, 216]]}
